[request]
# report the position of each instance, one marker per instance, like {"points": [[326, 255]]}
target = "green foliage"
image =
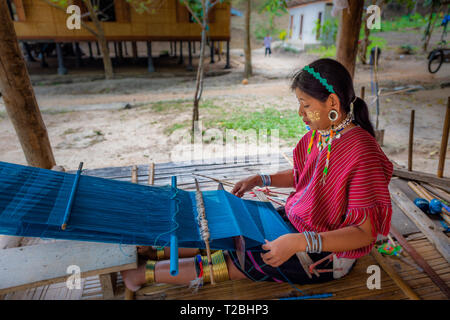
{"points": [[287, 122], [380, 42], [328, 31], [323, 51], [406, 22], [282, 35]]}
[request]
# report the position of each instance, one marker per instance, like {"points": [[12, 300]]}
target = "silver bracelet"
{"points": [[265, 180], [313, 242]]}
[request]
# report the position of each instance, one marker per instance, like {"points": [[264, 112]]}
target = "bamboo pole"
{"points": [[411, 140], [129, 295], [19, 97], [394, 276], [444, 141], [151, 173], [421, 262]]}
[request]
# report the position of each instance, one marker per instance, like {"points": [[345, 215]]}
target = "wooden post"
{"points": [[348, 35], [151, 174], [189, 66], [91, 54], [227, 65], [211, 46], [150, 68], [129, 295], [135, 51], [181, 60], [19, 98], [363, 92], [444, 141], [248, 70], [411, 141], [61, 69], [78, 61]]}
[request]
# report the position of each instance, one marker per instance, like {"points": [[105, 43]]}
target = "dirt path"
{"points": [[87, 121]]}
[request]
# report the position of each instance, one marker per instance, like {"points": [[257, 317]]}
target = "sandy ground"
{"points": [[87, 121]]}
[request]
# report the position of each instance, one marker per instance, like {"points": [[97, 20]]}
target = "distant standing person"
{"points": [[267, 43]]}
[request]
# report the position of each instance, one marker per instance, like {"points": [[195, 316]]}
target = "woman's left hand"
{"points": [[281, 249]]}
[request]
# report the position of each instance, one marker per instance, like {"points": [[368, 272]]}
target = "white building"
{"points": [[304, 15]]}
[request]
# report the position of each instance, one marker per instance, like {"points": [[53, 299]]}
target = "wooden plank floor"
{"points": [[353, 286]]}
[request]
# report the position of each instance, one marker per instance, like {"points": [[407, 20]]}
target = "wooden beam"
{"points": [[423, 177], [348, 35], [41, 264], [428, 228], [19, 98]]}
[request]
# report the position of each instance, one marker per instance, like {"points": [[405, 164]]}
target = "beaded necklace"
{"points": [[329, 135]]}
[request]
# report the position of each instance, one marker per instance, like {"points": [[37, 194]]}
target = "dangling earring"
{"points": [[332, 115]]}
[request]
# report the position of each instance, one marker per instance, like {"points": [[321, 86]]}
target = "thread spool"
{"points": [[423, 204], [173, 238]]}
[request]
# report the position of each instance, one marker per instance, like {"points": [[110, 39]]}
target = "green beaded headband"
{"points": [[318, 77]]}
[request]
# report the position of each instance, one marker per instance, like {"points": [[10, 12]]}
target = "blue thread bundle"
{"points": [[423, 204], [435, 206]]}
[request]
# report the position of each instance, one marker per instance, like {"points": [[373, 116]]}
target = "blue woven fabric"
{"points": [[33, 201]]}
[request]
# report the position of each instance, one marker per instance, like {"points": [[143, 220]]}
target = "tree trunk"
{"points": [[362, 49], [107, 64], [247, 45], [430, 27], [348, 35], [199, 79], [19, 98]]}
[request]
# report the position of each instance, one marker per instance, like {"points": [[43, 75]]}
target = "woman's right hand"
{"points": [[247, 184]]}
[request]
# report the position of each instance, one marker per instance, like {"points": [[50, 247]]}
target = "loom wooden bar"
{"points": [[437, 238], [42, 264], [444, 141], [411, 140], [421, 262], [437, 192], [423, 177], [129, 295]]}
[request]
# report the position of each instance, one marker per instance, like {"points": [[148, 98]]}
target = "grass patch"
{"points": [[54, 112], [287, 122], [171, 129], [408, 22], [180, 104]]}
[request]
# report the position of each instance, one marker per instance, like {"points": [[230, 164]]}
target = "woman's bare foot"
{"points": [[147, 251], [134, 278]]}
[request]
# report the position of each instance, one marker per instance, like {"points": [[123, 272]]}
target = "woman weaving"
{"points": [[340, 204]]}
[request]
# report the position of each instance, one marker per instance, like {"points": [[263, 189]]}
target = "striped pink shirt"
{"points": [[356, 187]]}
